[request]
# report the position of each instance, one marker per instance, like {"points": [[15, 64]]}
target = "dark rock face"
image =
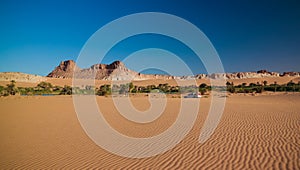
{"points": [[263, 71], [115, 65]]}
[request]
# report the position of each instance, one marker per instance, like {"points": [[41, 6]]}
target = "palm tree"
{"points": [[265, 83], [11, 88], [130, 87], [203, 85], [275, 84], [44, 86], [105, 90], [67, 90]]}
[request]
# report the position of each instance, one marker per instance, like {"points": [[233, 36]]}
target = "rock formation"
{"points": [[291, 74], [118, 71], [64, 70], [113, 71]]}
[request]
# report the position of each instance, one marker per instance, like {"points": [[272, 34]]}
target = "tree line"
{"points": [[45, 88], [263, 86]]}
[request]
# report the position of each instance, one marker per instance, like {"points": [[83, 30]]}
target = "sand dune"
{"points": [[172, 82], [255, 132]]}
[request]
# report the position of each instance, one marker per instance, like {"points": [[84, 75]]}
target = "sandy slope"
{"points": [[62, 82], [255, 132]]}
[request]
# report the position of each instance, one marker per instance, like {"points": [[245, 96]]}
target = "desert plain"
{"points": [[255, 132]]}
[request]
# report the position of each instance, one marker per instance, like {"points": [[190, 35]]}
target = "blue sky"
{"points": [[248, 35]]}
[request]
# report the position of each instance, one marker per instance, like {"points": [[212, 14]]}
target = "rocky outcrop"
{"points": [[113, 71], [297, 74], [64, 70], [259, 74], [118, 71]]}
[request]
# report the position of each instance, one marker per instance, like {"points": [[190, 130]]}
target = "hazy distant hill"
{"points": [[21, 77]]}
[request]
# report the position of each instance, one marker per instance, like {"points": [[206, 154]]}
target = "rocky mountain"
{"points": [[118, 71], [243, 75], [113, 71], [64, 70]]}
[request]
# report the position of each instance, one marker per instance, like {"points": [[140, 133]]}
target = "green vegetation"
{"points": [[203, 88], [259, 88], [125, 89], [45, 88], [66, 90], [104, 90], [10, 89]]}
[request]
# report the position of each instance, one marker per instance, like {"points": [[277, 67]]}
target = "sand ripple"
{"points": [[261, 132]]}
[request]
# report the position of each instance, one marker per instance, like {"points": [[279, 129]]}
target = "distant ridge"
{"points": [[114, 71], [21, 77], [118, 71]]}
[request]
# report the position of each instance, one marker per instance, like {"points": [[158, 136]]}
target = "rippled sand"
{"points": [[255, 132]]}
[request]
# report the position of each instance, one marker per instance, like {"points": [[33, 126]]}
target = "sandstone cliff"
{"points": [[114, 71], [118, 71]]}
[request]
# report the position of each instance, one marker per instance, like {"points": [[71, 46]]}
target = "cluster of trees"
{"points": [[203, 88], [161, 88], [10, 89], [264, 86], [45, 88]]}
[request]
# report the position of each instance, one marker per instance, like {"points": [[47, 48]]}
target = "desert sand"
{"points": [[255, 132], [172, 82]]}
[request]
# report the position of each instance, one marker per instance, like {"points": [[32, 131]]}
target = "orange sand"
{"points": [[255, 132]]}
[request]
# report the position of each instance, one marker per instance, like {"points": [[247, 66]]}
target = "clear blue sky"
{"points": [[248, 35]]}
